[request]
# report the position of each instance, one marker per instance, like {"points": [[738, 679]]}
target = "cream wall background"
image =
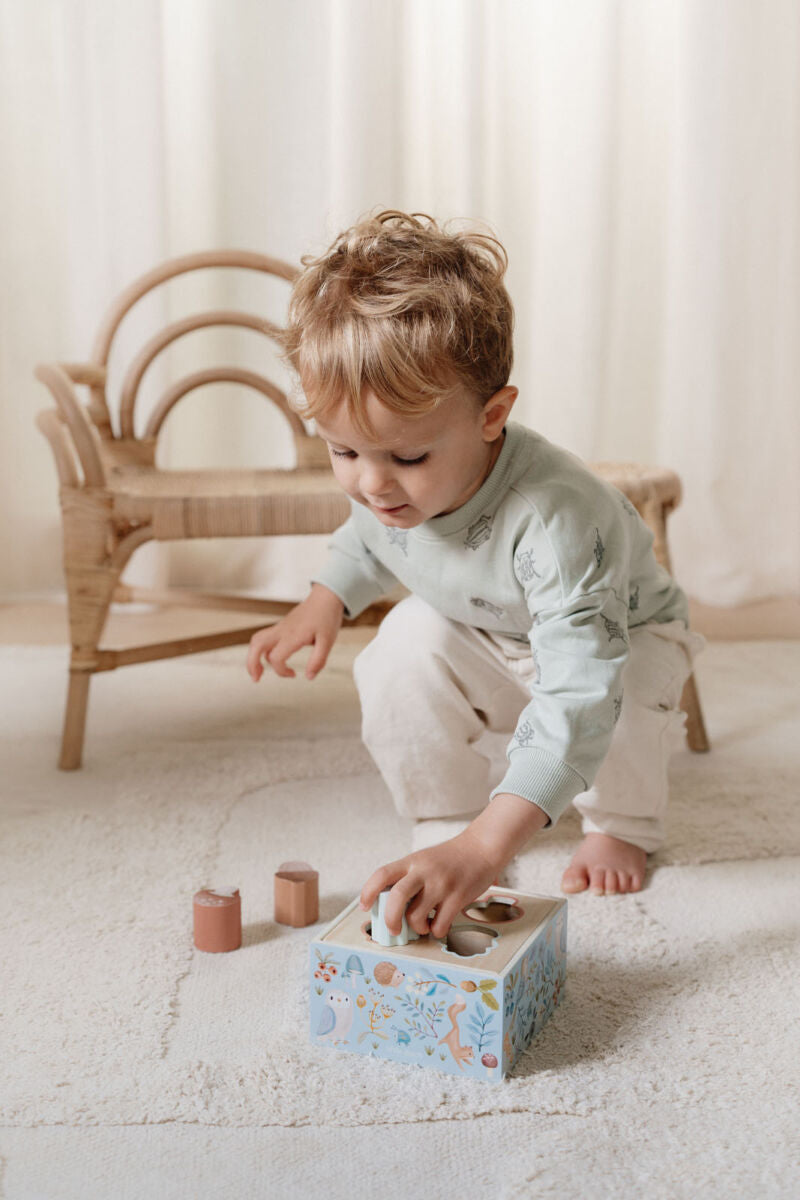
{"points": [[639, 159]]}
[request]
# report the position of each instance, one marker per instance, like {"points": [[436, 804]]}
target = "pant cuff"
{"points": [[644, 832]]}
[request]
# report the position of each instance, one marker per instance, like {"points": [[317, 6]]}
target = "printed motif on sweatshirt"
{"points": [[398, 537], [494, 609], [479, 532], [599, 548], [613, 629], [525, 734], [525, 564]]}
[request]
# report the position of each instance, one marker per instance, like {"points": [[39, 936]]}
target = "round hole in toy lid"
{"points": [[494, 909]]}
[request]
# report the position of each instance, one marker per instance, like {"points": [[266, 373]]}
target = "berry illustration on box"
{"points": [[467, 1004]]}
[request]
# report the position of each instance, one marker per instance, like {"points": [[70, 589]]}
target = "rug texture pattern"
{"points": [[679, 1016]]}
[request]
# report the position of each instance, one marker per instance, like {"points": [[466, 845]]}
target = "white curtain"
{"points": [[639, 159]]}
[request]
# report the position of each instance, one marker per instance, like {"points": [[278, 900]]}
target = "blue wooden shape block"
{"points": [[467, 1004], [378, 929]]}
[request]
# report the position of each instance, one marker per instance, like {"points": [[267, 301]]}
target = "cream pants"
{"points": [[440, 702]]}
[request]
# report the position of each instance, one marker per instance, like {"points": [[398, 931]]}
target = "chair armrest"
{"points": [[51, 424], [70, 411]]}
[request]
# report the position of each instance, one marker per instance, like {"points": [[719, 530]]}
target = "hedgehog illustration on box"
{"points": [[467, 1004]]}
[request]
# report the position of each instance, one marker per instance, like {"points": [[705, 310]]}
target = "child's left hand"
{"points": [[444, 877]]}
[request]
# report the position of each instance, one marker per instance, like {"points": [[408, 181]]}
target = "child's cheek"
{"points": [[348, 482], [343, 476]]}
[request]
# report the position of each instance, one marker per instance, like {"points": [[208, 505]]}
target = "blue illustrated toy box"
{"points": [[467, 1004]]}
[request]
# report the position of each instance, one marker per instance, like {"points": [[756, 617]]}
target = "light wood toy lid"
{"points": [[513, 931]]}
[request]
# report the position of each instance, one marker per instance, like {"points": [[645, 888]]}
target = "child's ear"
{"points": [[496, 410]]}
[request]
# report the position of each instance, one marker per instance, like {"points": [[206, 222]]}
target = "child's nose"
{"points": [[376, 481]]}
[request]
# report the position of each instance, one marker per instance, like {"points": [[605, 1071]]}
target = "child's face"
{"points": [[416, 467]]}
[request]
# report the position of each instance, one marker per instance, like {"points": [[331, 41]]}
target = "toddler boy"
{"points": [[537, 612]]}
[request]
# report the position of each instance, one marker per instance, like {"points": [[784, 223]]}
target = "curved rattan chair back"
{"points": [[307, 448]]}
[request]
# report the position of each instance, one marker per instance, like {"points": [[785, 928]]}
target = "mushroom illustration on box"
{"points": [[467, 1004]]}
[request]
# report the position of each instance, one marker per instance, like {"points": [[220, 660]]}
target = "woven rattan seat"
{"points": [[114, 498], [197, 504]]}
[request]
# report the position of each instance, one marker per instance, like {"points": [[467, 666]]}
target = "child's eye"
{"points": [[411, 462], [404, 462]]}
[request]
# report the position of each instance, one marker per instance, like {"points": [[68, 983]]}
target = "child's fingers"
{"points": [[278, 655], [319, 655], [379, 881], [446, 913], [417, 912], [399, 899], [259, 643]]}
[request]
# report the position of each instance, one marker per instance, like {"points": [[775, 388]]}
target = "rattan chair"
{"points": [[114, 498]]}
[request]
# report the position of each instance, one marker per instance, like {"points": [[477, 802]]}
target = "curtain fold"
{"points": [[638, 160]]}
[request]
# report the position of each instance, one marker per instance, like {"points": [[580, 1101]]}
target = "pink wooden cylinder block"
{"points": [[218, 919]]}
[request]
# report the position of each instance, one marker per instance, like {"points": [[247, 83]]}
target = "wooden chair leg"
{"points": [[655, 514], [696, 735], [91, 575], [75, 720], [89, 594]]}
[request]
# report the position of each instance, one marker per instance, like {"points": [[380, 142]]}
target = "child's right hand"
{"points": [[316, 622]]}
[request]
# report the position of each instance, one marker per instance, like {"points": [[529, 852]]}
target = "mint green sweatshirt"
{"points": [[549, 553]]}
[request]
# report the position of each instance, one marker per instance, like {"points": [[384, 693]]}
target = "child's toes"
{"points": [[624, 881], [575, 879], [636, 883], [597, 880]]}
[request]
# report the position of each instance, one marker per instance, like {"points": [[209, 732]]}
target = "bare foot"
{"points": [[606, 865]]}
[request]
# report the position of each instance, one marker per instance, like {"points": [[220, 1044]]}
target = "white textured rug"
{"points": [[677, 1036]]}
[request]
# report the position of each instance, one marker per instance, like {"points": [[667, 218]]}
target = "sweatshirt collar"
{"points": [[493, 486]]}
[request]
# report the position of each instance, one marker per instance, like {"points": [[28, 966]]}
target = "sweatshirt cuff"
{"points": [[355, 592], [545, 780]]}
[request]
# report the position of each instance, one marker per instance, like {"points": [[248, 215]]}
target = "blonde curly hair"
{"points": [[405, 308]]}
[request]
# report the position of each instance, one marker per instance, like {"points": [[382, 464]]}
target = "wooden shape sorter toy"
{"points": [[467, 1004]]}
